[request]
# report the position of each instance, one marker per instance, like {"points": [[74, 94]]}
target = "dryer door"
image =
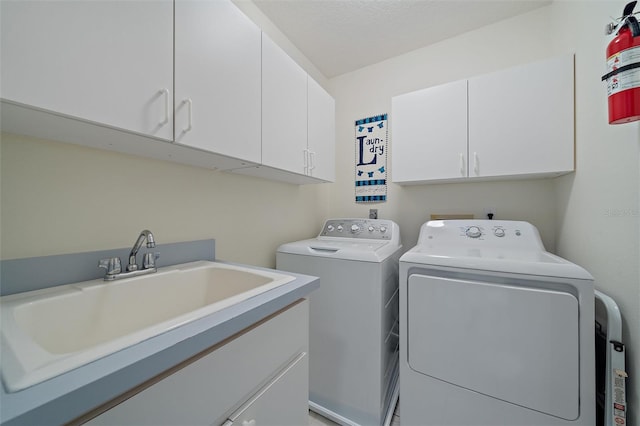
{"points": [[515, 343]]}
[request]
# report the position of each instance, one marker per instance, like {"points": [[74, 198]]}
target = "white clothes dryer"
{"points": [[494, 330], [353, 318]]}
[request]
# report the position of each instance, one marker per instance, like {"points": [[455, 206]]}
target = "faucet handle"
{"points": [[112, 265], [149, 260]]}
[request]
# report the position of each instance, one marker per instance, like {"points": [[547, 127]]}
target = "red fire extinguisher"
{"points": [[623, 68]]}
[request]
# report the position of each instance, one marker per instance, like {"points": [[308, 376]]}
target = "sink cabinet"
{"points": [[517, 122], [259, 376], [100, 61], [280, 402]]}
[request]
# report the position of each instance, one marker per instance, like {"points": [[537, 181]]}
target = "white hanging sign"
{"points": [[371, 159]]}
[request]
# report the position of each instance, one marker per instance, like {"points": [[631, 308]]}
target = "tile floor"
{"points": [[316, 419]]}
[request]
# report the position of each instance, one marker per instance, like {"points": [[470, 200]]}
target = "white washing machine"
{"points": [[353, 322], [494, 330]]}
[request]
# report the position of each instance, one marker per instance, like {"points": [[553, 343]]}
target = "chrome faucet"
{"points": [[113, 266], [133, 264]]}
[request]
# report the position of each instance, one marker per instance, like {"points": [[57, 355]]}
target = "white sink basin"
{"points": [[49, 332]]}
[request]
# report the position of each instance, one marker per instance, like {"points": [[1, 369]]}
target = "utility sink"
{"points": [[48, 332]]}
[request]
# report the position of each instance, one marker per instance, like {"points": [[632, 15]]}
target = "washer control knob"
{"points": [[330, 228], [340, 228], [473, 232], [383, 229], [371, 229], [499, 232], [354, 228]]}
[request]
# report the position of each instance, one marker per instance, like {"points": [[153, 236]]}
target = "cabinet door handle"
{"points": [[476, 163], [189, 103], [312, 162], [305, 159], [165, 92], [462, 167]]}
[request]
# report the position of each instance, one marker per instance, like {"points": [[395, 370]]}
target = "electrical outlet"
{"points": [[489, 211], [373, 213]]}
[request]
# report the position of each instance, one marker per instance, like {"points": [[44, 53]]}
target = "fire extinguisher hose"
{"points": [[630, 20]]}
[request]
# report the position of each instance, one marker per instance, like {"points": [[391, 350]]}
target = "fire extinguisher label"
{"points": [[625, 80]]}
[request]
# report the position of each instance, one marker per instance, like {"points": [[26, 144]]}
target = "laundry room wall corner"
{"points": [[598, 207]]}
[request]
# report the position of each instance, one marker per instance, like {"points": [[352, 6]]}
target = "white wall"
{"points": [[598, 208], [590, 217], [62, 198]]}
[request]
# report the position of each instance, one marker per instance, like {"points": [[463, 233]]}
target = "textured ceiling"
{"points": [[339, 36]]}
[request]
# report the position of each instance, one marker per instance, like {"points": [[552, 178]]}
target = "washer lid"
{"points": [[364, 251], [365, 240]]}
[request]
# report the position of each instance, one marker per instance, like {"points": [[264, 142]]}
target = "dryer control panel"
{"points": [[481, 233], [370, 229]]}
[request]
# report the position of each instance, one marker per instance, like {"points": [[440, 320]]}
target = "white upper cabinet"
{"points": [[321, 133], [298, 122], [429, 129], [127, 75], [217, 79], [521, 120], [513, 123], [101, 61], [284, 110]]}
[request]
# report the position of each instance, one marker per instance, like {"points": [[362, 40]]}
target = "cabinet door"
{"points": [[102, 61], [521, 120], [284, 110], [207, 389], [282, 402], [217, 79], [321, 133], [429, 134]]}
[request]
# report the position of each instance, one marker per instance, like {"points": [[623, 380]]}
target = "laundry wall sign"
{"points": [[371, 159]]}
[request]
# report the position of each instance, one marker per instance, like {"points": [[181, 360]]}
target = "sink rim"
{"points": [[35, 365]]}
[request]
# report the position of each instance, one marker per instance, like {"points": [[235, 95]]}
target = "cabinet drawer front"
{"points": [[280, 402], [209, 389]]}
